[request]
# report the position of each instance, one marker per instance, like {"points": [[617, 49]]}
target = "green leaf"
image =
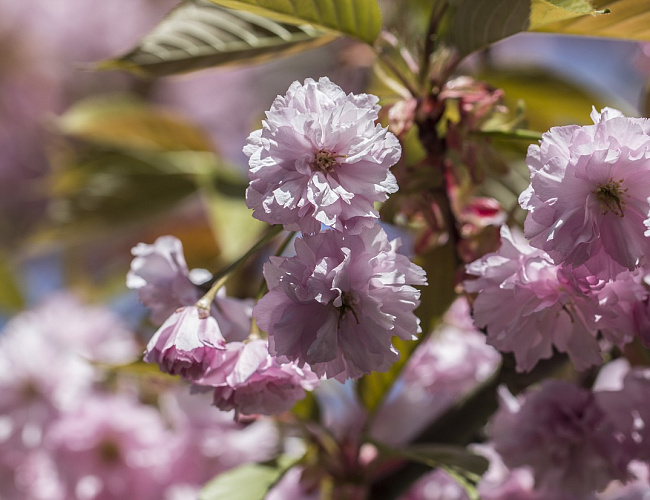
{"points": [[374, 387], [247, 482], [307, 409], [474, 24], [11, 297], [356, 18], [626, 19], [198, 34], [437, 455], [231, 222], [125, 122], [100, 189]]}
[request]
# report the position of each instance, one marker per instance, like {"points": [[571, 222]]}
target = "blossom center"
{"points": [[325, 161], [610, 197], [109, 451], [347, 304]]}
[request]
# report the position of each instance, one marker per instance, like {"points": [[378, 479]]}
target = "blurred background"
{"points": [[93, 162]]}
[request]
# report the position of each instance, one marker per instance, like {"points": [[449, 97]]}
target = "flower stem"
{"points": [[222, 276]]}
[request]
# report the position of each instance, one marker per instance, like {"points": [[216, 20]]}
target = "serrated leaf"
{"points": [[247, 482], [199, 34], [357, 18], [474, 24], [125, 122]]}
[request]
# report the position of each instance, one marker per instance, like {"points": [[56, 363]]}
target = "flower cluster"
{"points": [[66, 434], [332, 309], [588, 195], [576, 440], [555, 309], [320, 158], [210, 347]]}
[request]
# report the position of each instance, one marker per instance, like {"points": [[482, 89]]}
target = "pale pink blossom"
{"points": [[562, 433], [502, 483], [588, 197], [208, 442], [447, 365], [436, 485], [94, 332], [186, 343], [628, 407], [527, 309], [338, 302], [320, 158], [164, 283], [247, 379], [111, 448], [160, 275]]}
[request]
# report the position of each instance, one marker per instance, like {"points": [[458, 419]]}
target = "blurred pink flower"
{"points": [[541, 311], [436, 485], [628, 407], [208, 441], [249, 380], [320, 158], [186, 343], [588, 196], [111, 448], [452, 361], [339, 301], [562, 433]]}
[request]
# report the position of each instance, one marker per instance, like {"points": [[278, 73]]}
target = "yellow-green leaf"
{"points": [[373, 388], [474, 24], [247, 482], [199, 34], [123, 121], [546, 12], [627, 19], [356, 18], [11, 297]]}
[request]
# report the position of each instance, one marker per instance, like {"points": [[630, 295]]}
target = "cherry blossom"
{"points": [[320, 158], [339, 301], [588, 196]]}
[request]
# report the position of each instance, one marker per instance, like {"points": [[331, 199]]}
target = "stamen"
{"points": [[326, 161], [348, 303], [611, 196]]}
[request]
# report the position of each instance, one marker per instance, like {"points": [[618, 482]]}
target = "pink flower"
{"points": [[447, 365], [629, 408], [186, 343], [563, 435], [160, 275], [525, 307], [338, 302], [436, 485], [111, 448], [588, 196], [249, 380], [208, 442], [320, 159], [164, 283]]}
